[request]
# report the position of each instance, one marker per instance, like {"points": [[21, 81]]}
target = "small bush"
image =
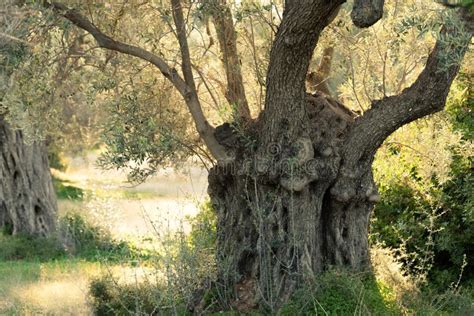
{"points": [[31, 248], [183, 264], [81, 238], [143, 298], [65, 191], [342, 293]]}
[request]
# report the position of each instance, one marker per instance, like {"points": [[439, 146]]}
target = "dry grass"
{"points": [[389, 271], [58, 288]]}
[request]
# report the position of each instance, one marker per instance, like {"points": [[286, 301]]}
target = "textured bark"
{"points": [[300, 201], [27, 198], [277, 219], [367, 12]]}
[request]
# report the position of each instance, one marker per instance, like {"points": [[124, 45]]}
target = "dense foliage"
{"points": [[428, 210]]}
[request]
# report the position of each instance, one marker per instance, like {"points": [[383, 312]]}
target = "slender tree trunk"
{"points": [[27, 198]]}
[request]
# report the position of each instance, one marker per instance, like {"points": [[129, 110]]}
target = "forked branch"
{"points": [[427, 95], [185, 87]]}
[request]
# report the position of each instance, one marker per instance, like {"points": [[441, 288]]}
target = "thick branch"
{"points": [[366, 13], [302, 24], [185, 87], [226, 34], [427, 95]]}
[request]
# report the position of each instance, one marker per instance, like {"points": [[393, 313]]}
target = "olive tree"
{"points": [[27, 198], [292, 185]]}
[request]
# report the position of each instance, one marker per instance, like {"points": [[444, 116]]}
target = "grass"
{"points": [[27, 248], [76, 238], [41, 276], [65, 190], [85, 269], [36, 288], [37, 280], [343, 293]]}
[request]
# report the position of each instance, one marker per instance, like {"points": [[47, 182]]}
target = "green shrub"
{"points": [[83, 239], [143, 298], [434, 228], [342, 293], [431, 222], [65, 191], [31, 248]]}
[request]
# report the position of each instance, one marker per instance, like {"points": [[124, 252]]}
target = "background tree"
{"points": [[27, 199], [293, 188]]}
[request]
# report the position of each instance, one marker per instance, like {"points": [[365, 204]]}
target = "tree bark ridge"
{"points": [[27, 198], [290, 55]]}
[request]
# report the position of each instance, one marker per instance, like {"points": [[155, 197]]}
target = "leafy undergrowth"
{"points": [[332, 293], [28, 248], [66, 190], [76, 237], [343, 293], [92, 272], [188, 262]]}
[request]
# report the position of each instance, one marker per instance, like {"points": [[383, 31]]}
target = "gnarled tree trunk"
{"points": [[280, 218], [27, 199], [300, 200]]}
